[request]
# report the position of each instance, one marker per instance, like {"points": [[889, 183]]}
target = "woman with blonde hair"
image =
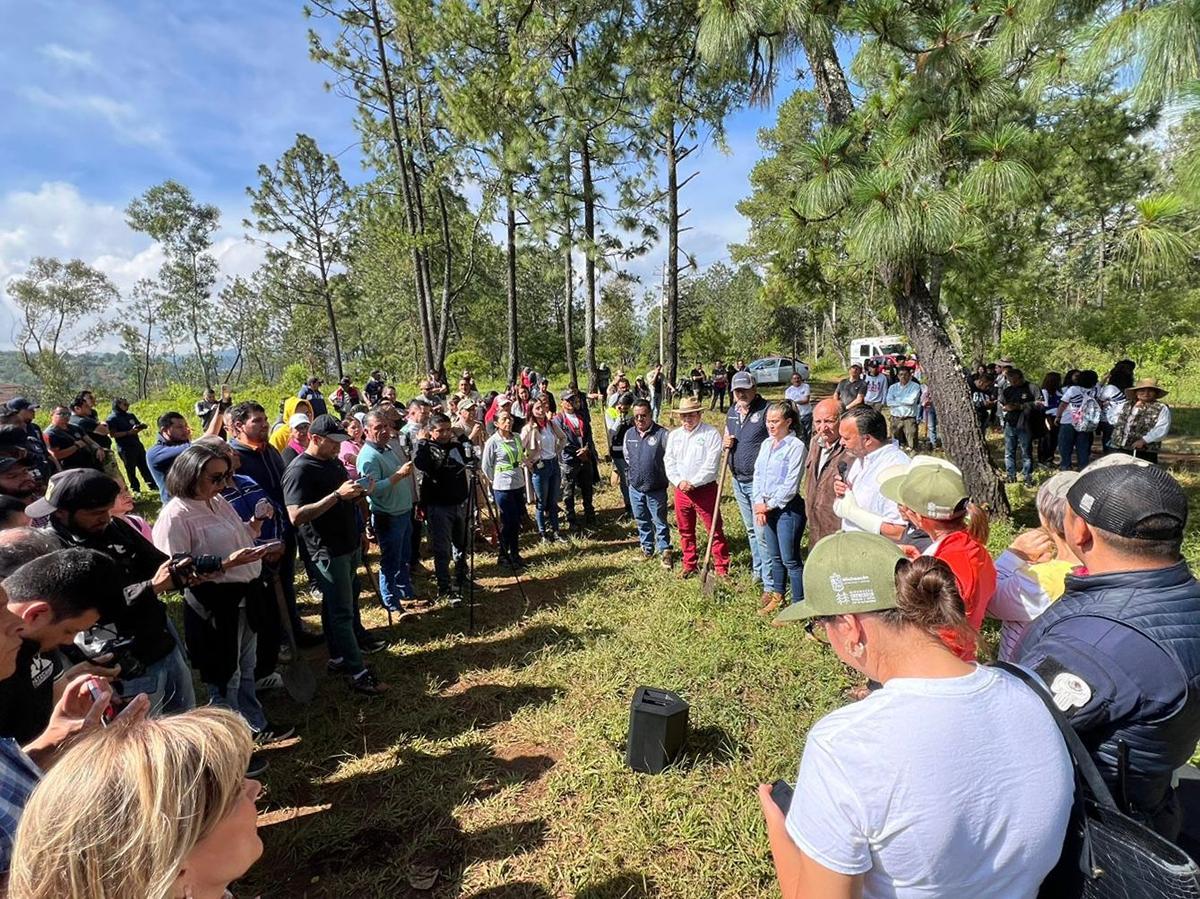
{"points": [[158, 808]]}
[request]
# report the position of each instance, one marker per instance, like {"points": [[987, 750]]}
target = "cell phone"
{"points": [[264, 548], [781, 795], [364, 482], [108, 714]]}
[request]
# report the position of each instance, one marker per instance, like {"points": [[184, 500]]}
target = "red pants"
{"points": [[687, 505]]}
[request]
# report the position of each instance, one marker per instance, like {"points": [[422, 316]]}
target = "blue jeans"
{"points": [[338, 582], [781, 549], [394, 533], [167, 683], [511, 506], [758, 561], [238, 693], [1071, 440], [448, 535], [1013, 436], [547, 485], [650, 511]]}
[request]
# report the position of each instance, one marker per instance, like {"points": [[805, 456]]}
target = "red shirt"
{"points": [[975, 575]]}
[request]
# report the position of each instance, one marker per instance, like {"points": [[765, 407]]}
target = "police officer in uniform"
{"points": [[1120, 652]]}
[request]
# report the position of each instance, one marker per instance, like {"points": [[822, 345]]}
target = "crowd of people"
{"points": [[878, 548]]}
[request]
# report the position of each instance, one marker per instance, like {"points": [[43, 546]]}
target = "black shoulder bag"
{"points": [[1107, 854]]}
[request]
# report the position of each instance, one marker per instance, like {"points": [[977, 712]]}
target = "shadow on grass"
{"points": [[627, 885]]}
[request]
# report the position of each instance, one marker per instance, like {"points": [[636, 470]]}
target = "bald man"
{"points": [[821, 466]]}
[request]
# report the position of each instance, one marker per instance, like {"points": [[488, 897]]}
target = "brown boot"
{"points": [[772, 606], [764, 599], [666, 559]]}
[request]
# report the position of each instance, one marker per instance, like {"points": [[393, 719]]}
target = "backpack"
{"points": [[1086, 416]]}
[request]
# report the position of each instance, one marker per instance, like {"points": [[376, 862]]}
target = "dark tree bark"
{"points": [[589, 263], [510, 228], [672, 311], [568, 308], [957, 427]]}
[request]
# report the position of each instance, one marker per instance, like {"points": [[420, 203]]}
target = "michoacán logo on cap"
{"points": [[852, 590]]}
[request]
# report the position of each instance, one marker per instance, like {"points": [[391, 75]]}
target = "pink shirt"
{"points": [[348, 454], [196, 527]]}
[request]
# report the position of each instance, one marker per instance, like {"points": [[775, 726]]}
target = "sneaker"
{"points": [[1029, 482], [366, 683], [647, 555], [336, 666], [372, 645], [272, 681], [257, 766], [274, 733]]}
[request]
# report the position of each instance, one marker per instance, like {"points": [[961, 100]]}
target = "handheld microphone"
{"points": [[842, 469]]}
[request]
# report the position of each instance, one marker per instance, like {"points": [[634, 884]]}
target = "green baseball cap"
{"points": [[929, 490], [845, 573]]}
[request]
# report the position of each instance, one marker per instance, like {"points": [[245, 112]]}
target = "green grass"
{"points": [[498, 756]]}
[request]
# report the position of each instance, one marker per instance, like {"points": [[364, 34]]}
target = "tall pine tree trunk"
{"points": [[568, 308], [589, 263], [957, 425], [406, 187], [672, 324], [510, 246]]}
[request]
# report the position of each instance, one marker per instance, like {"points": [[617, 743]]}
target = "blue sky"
{"points": [[103, 99]]}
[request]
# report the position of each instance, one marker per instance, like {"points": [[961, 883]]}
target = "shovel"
{"points": [[708, 578], [298, 677]]}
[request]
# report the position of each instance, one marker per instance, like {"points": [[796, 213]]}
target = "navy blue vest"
{"points": [[1164, 606]]}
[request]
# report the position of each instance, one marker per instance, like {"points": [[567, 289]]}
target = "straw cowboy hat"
{"points": [[1145, 384], [689, 404]]}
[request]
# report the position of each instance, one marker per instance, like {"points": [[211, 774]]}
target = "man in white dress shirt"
{"points": [[693, 458], [863, 432]]}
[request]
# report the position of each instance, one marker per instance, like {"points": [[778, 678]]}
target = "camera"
{"points": [[185, 566], [104, 640]]}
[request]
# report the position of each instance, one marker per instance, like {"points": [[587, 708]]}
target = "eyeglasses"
{"points": [[815, 627], [221, 478]]}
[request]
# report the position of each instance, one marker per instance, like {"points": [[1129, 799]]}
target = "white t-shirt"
{"points": [[877, 386], [1074, 395], [800, 395], [935, 787]]}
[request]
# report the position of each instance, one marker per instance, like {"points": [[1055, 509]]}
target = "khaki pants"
{"points": [[905, 431]]}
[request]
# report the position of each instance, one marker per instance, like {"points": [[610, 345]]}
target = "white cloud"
{"points": [[57, 220], [122, 118], [65, 56]]}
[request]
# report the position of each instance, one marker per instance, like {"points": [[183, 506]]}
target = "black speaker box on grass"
{"points": [[658, 728]]}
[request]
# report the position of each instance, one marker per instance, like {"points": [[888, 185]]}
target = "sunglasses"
{"points": [[221, 478]]}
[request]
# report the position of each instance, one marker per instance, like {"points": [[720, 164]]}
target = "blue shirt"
{"points": [[244, 495], [315, 399], [904, 399], [381, 464], [777, 471], [159, 457], [18, 776]]}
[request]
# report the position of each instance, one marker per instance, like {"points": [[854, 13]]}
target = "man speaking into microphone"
{"points": [[860, 505]]}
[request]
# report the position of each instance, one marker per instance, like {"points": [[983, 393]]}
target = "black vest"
{"points": [[1164, 606]]}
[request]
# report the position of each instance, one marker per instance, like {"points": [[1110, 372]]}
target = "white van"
{"points": [[864, 348]]}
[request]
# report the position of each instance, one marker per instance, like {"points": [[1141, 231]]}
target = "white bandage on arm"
{"points": [[848, 509]]}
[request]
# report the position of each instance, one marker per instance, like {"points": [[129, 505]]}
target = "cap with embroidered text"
{"points": [[743, 380], [847, 573]]}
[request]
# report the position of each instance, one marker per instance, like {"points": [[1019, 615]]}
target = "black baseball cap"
{"points": [[19, 404], [7, 462], [75, 489], [329, 427], [1139, 501]]}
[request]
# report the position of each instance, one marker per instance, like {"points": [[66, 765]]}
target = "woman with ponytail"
{"points": [[933, 498], [923, 788]]}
